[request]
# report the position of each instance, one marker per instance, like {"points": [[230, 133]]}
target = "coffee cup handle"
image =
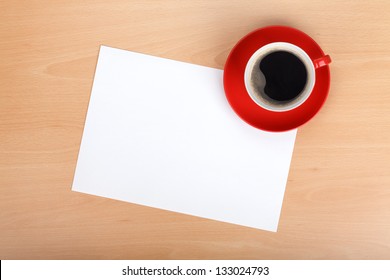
{"points": [[322, 61]]}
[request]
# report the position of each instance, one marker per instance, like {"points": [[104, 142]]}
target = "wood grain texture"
{"points": [[337, 202]]}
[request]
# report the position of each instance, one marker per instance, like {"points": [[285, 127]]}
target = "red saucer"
{"points": [[239, 99]]}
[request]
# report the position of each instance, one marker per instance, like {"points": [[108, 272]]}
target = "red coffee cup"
{"points": [[255, 107]]}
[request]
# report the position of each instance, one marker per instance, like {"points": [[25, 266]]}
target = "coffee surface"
{"points": [[285, 75]]}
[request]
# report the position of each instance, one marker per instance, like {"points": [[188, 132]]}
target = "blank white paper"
{"points": [[161, 133]]}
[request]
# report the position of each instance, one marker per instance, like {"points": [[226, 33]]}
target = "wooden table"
{"points": [[337, 202]]}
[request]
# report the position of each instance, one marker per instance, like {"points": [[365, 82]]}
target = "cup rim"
{"points": [[297, 51]]}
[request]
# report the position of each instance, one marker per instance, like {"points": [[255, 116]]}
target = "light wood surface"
{"points": [[337, 202]]}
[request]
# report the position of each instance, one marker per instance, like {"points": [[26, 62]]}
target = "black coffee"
{"points": [[285, 75]]}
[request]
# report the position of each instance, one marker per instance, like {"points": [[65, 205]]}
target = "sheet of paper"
{"points": [[161, 133]]}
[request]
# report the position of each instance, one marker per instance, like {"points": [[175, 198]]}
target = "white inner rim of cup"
{"points": [[259, 55]]}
